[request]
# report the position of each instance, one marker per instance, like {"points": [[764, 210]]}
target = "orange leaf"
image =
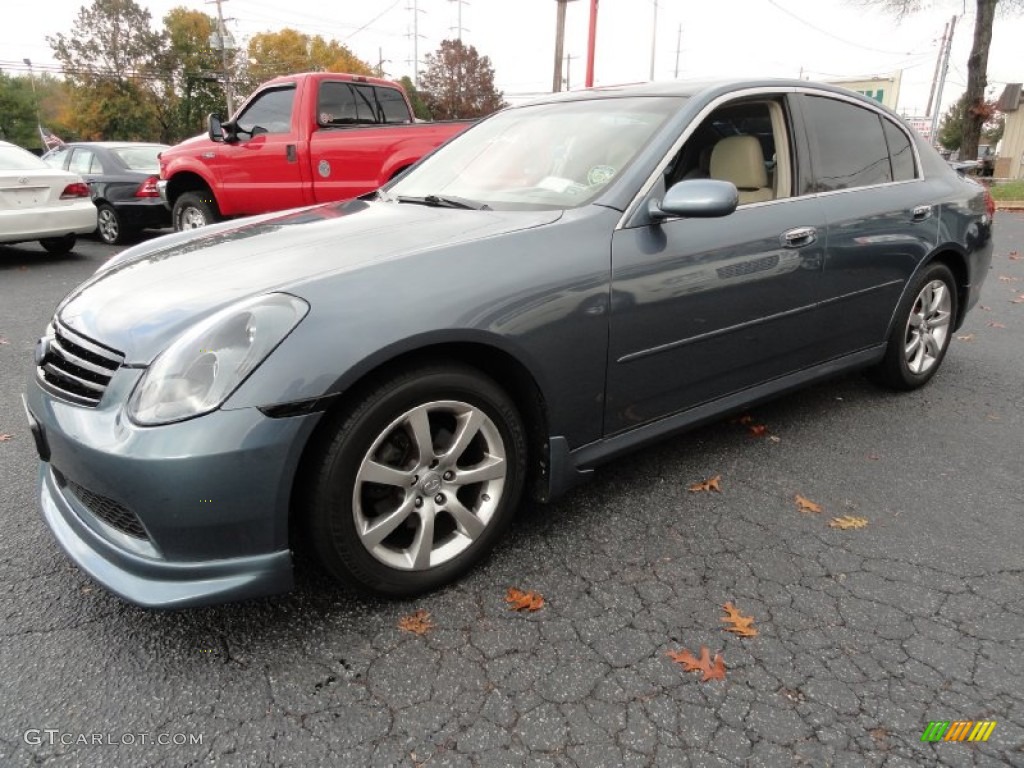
{"points": [[1014, 256], [418, 623], [518, 600], [1018, 300], [806, 505], [758, 430], [994, 324], [1008, 279], [847, 522], [741, 625], [714, 484], [712, 670], [3, 340], [983, 307], [966, 337]]}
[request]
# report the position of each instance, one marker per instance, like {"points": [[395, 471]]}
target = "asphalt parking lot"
{"points": [[865, 635]]}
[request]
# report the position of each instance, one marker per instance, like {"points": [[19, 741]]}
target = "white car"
{"points": [[41, 203]]}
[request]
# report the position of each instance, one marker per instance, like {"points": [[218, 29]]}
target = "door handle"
{"points": [[293, 156], [921, 212], [798, 237]]}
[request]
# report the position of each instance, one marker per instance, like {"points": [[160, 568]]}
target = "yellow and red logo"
{"points": [[958, 730]]}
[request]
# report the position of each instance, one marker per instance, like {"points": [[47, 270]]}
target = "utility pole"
{"points": [[942, 82], [459, 28], [568, 65], [654, 37], [591, 41], [223, 37], [556, 80], [679, 42], [935, 75], [416, 42]]}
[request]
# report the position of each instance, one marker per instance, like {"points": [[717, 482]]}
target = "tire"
{"points": [[193, 210], [59, 246], [922, 331], [416, 483], [109, 225]]}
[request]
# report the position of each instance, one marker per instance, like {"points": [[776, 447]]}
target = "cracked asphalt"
{"points": [[865, 635]]}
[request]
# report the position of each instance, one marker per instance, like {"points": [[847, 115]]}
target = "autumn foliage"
{"points": [[518, 600], [710, 669]]}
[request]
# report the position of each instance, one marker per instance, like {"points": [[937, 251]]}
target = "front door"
{"points": [[702, 308]]}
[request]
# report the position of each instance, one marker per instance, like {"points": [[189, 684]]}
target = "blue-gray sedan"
{"points": [[386, 378]]}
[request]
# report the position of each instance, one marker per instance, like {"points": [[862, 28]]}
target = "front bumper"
{"points": [[207, 498]]}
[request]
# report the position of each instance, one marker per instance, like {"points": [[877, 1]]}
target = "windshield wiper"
{"points": [[445, 202]]}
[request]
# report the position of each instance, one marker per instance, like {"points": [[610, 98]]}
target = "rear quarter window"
{"points": [[900, 152]]}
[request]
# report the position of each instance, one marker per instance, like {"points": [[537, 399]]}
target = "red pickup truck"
{"points": [[298, 140]]}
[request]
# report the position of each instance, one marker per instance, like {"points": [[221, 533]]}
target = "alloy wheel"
{"points": [[928, 327], [108, 225], [429, 485], [191, 218]]}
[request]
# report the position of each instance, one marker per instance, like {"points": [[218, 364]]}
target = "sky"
{"points": [[818, 39]]}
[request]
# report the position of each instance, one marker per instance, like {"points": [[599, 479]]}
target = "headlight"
{"points": [[204, 365]]}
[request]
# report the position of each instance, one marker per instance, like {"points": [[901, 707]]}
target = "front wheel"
{"points": [[193, 210], [59, 246], [109, 225], [921, 334], [417, 480]]}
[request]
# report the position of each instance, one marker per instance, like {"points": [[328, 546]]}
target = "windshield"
{"points": [[18, 159], [140, 158], [544, 156]]}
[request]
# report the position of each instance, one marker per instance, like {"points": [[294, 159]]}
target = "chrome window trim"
{"points": [[768, 91]]}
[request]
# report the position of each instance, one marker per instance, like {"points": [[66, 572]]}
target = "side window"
{"points": [[744, 142], [271, 112], [336, 104], [56, 158], [81, 162], [392, 105], [900, 153], [848, 147]]}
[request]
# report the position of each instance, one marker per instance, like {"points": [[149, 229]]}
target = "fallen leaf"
{"points": [[741, 625], [966, 337], [1018, 300], [758, 430], [3, 340], [806, 505], [983, 307], [745, 419], [1008, 279], [847, 522], [418, 623], [994, 324], [714, 484], [713, 670], [4, 438], [992, 417], [775, 438], [1014, 256], [873, 457], [518, 600]]}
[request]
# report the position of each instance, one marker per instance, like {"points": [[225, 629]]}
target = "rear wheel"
{"points": [[921, 335], [417, 481], [109, 225], [59, 245], [193, 210]]}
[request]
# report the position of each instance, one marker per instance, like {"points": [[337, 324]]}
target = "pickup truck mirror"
{"points": [[214, 127]]}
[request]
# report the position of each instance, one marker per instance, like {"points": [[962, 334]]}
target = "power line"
{"points": [[825, 32], [375, 18]]}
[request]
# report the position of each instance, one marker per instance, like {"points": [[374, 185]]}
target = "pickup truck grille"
{"points": [[75, 368]]}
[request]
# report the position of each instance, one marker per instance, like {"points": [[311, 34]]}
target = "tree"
{"points": [[459, 83], [419, 107], [953, 124], [288, 51], [109, 60], [188, 67], [977, 111], [18, 111]]}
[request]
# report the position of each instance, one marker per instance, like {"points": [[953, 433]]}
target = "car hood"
{"points": [[144, 298]]}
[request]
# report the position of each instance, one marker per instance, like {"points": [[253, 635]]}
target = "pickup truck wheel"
{"points": [[417, 480], [193, 210]]}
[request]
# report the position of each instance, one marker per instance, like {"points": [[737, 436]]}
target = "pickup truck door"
{"points": [[357, 131], [262, 171]]}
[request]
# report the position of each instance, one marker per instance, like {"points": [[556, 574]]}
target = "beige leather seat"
{"points": [[739, 159]]}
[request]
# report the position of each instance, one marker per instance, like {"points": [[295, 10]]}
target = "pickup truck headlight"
{"points": [[203, 366]]}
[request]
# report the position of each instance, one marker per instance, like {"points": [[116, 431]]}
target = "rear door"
{"points": [[261, 171], [702, 308], [354, 137], [882, 214]]}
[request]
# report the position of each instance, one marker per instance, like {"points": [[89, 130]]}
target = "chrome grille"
{"points": [[76, 368], [109, 511]]}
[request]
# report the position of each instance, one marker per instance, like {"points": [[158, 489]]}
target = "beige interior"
{"points": [[739, 159]]}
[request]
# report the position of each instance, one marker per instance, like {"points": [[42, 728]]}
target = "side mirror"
{"points": [[214, 127], [696, 199]]}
